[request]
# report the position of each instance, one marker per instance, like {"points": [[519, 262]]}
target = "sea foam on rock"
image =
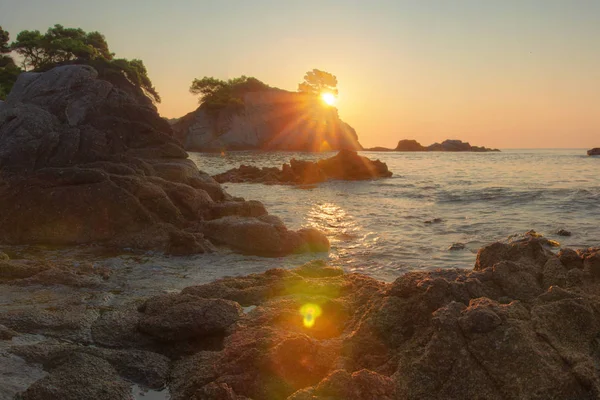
{"points": [[88, 159]]}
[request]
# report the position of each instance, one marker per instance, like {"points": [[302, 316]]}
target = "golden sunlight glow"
{"points": [[328, 98], [310, 312]]}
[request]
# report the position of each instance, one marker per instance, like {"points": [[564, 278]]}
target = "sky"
{"points": [[506, 74]]}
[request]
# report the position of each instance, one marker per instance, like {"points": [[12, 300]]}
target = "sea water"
{"points": [[385, 227]]}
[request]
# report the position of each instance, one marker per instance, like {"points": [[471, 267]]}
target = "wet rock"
{"points": [[346, 165], [181, 317], [340, 384], [142, 367], [591, 261], [118, 329], [457, 246], [6, 333], [191, 373], [11, 270], [563, 232], [570, 258], [79, 376], [257, 236], [434, 221], [185, 243], [4, 257], [68, 322]]}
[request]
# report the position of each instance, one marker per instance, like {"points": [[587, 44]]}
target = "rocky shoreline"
{"points": [[523, 323]]}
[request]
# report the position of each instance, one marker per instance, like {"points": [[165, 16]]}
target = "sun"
{"points": [[328, 98]]}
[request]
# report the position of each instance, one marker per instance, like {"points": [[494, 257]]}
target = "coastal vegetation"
{"points": [[8, 69], [318, 83], [216, 94], [61, 46]]}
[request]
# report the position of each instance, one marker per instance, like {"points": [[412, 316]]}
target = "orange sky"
{"points": [[507, 74]]}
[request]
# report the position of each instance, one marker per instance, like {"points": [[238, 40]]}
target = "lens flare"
{"points": [[310, 312]]}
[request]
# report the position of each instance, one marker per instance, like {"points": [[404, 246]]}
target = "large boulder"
{"points": [[270, 119], [86, 158], [346, 165]]}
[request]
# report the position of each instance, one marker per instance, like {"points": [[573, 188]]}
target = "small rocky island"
{"points": [[408, 145], [266, 119], [346, 165], [594, 152]]}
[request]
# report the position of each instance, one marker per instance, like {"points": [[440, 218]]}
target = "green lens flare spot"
{"points": [[310, 312]]}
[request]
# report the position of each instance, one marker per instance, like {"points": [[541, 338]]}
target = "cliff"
{"points": [[84, 160], [271, 119]]}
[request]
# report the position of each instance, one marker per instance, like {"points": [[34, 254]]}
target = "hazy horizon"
{"points": [[511, 74]]}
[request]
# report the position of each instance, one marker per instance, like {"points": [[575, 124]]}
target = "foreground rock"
{"points": [[594, 152], [269, 119], [87, 159], [523, 324], [409, 145], [346, 165]]}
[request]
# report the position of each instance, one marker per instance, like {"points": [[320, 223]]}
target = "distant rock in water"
{"points": [[410, 145], [594, 152], [346, 165], [378, 149], [446, 145], [270, 119], [88, 159]]}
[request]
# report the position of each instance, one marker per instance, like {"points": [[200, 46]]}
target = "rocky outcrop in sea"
{"points": [[87, 159], [346, 165], [449, 145], [594, 152], [524, 323], [271, 119]]}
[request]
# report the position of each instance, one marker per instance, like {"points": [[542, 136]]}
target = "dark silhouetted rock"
{"points": [[409, 145], [84, 160], [594, 152], [446, 145], [563, 232], [346, 165]]}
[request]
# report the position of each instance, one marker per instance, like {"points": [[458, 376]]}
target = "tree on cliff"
{"points": [[8, 69], [60, 45], [317, 82], [4, 38], [216, 93]]}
